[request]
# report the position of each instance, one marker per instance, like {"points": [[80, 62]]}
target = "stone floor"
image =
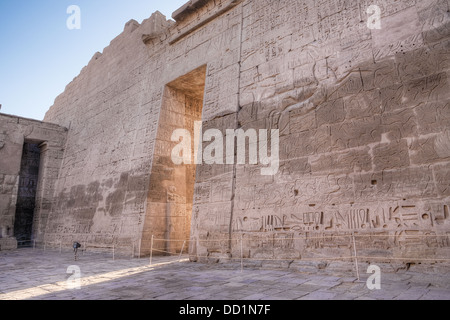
{"points": [[28, 274]]}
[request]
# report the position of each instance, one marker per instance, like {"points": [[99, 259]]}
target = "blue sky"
{"points": [[39, 55]]}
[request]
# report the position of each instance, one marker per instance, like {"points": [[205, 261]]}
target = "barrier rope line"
{"points": [[312, 238], [351, 258], [275, 238], [349, 236], [289, 259], [317, 258], [163, 251], [112, 250]]}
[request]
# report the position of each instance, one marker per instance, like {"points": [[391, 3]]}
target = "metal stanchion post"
{"points": [[356, 256], [182, 249], [151, 251], [242, 254], [139, 244]]}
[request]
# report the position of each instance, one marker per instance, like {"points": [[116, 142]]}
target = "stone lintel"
{"points": [[188, 8], [191, 7]]}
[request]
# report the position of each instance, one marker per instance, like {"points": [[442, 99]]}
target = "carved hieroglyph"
{"points": [[30, 156], [363, 115]]}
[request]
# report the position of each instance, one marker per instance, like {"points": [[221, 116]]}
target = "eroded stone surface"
{"points": [[362, 114], [26, 188]]}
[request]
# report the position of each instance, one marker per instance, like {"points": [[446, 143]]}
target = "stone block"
{"points": [[363, 105], [8, 244], [420, 63], [381, 74], [330, 112], [433, 88], [356, 133], [296, 146], [431, 149], [406, 183], [399, 33], [442, 178], [295, 167], [433, 16], [302, 119], [433, 117], [394, 155], [342, 162], [400, 124]]}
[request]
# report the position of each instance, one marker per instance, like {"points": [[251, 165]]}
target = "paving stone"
{"points": [[115, 280], [256, 296], [319, 295], [416, 294], [346, 296]]}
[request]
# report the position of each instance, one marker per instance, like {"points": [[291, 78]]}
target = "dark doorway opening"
{"points": [[26, 196]]}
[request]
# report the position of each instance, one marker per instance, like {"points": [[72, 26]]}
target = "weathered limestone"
{"points": [[18, 187], [363, 116], [171, 193]]}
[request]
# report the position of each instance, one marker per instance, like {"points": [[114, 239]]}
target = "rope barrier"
{"points": [[113, 250], [405, 259], [322, 258], [352, 241], [286, 260], [162, 251], [297, 259], [313, 238], [330, 259], [352, 244]]}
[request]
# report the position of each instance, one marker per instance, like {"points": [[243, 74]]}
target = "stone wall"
{"points": [[113, 111], [49, 138], [364, 147], [363, 116]]}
